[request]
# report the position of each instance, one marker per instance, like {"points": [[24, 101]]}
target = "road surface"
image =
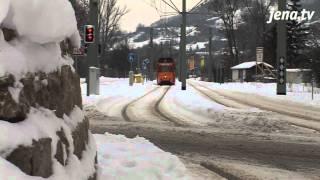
{"points": [[219, 134]]}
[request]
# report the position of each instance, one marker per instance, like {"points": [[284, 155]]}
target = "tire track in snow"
{"points": [[220, 171], [156, 110], [218, 98], [124, 111], [301, 120], [176, 121]]}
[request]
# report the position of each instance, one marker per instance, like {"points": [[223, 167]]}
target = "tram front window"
{"points": [[165, 69]]}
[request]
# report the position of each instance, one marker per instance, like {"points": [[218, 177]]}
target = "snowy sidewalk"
{"points": [[135, 159]]}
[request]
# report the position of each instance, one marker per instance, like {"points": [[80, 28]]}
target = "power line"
{"points": [[172, 6], [159, 10], [197, 5]]}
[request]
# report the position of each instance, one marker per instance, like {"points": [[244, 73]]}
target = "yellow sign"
{"points": [[202, 62]]}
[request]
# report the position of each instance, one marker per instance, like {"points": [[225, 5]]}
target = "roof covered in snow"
{"points": [[248, 65], [298, 70]]}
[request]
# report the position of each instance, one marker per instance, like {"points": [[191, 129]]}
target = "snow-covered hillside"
{"points": [[198, 25]]}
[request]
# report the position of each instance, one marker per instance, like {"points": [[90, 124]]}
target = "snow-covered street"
{"points": [[159, 90], [211, 128]]}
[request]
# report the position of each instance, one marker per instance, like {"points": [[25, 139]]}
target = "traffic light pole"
{"points": [[281, 52], [92, 55], [183, 62]]}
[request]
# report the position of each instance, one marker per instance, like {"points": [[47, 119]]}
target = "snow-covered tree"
{"points": [[297, 37]]}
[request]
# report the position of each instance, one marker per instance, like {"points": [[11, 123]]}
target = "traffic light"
{"points": [[89, 34], [282, 71]]}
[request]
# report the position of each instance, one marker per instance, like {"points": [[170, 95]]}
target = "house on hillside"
{"points": [[250, 71]]}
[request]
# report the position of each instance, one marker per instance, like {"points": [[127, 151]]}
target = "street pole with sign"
{"points": [[131, 58], [145, 64], [259, 58]]}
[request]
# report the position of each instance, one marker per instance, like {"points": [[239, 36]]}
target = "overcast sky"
{"points": [[141, 11]]}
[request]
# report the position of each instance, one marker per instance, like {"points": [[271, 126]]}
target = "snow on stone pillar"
{"points": [[43, 128]]}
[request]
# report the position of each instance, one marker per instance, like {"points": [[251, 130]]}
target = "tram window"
{"points": [[165, 69]]}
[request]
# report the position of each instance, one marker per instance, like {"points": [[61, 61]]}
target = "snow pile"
{"points": [[189, 106], [192, 100], [123, 158], [11, 60], [43, 21], [40, 28], [42, 123], [114, 87], [9, 171], [4, 8]]}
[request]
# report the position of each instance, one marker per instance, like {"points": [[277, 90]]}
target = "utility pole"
{"points": [[281, 51], [210, 73], [312, 79], [180, 55], [170, 48], [151, 56], [221, 73], [92, 55], [161, 49], [183, 46]]}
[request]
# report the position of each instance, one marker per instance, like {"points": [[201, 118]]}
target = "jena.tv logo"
{"points": [[303, 15]]}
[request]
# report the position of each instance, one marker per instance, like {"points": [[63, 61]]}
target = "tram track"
{"points": [[220, 171], [124, 111], [300, 120], [215, 97], [155, 109], [158, 110]]}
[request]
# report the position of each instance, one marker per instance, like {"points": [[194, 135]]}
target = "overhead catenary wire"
{"points": [[174, 7], [197, 5]]}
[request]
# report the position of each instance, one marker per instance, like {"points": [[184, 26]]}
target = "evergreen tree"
{"points": [[297, 37]]}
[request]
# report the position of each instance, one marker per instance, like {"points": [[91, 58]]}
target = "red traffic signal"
{"points": [[89, 34]]}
